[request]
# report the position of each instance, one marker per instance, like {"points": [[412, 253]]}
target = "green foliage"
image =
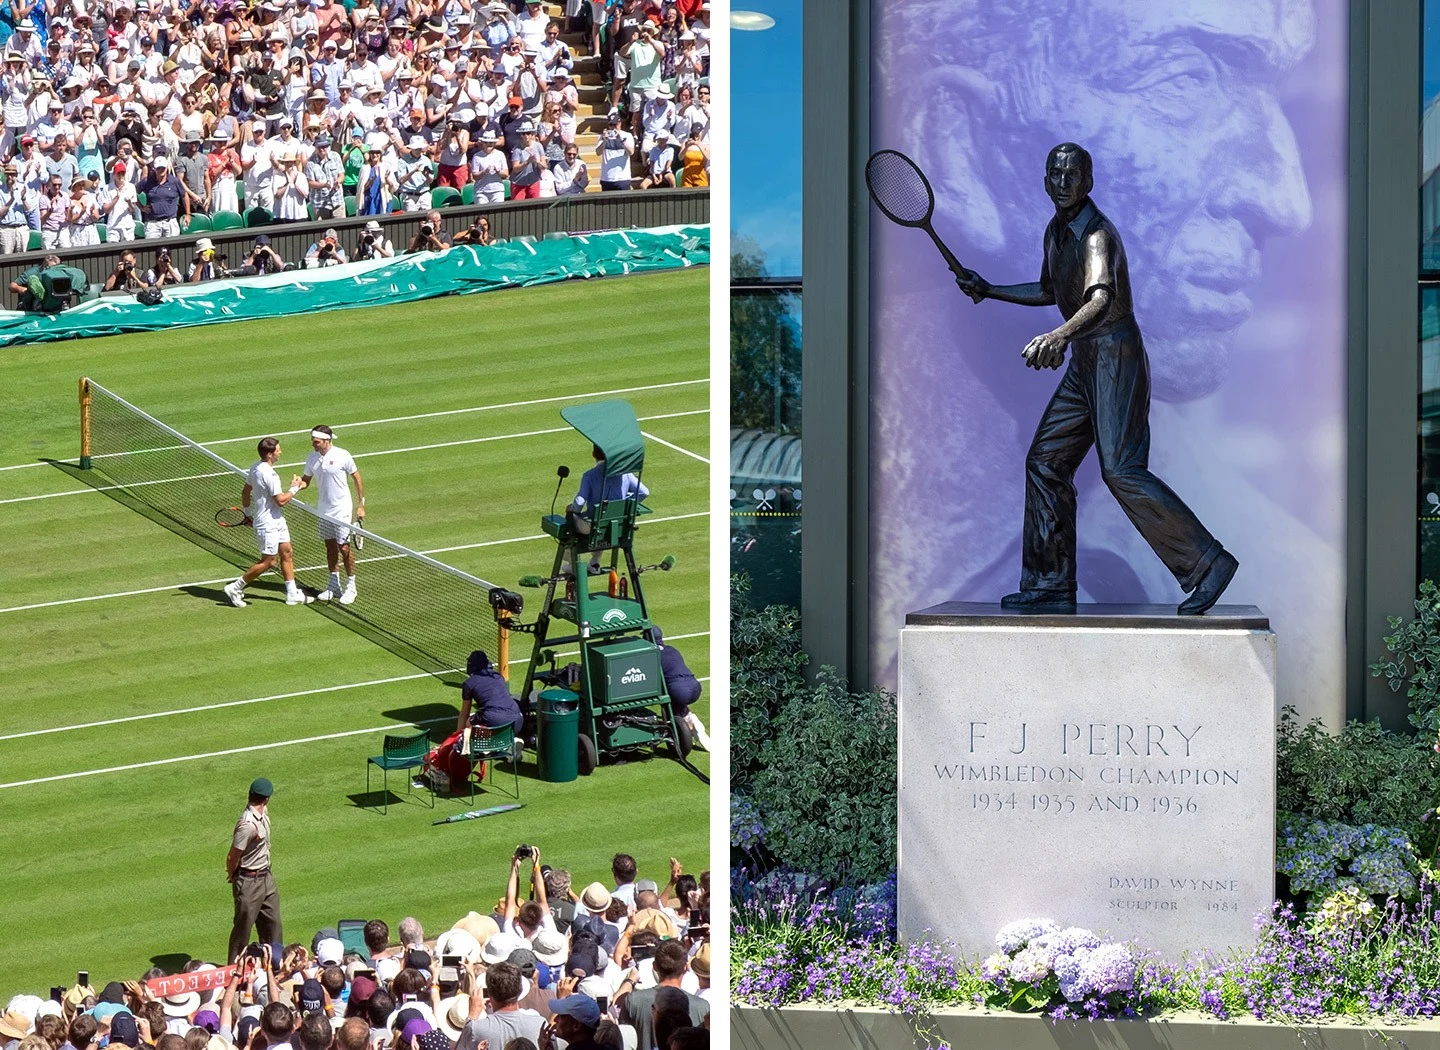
{"points": [[764, 350], [1415, 667], [828, 786], [767, 670], [1365, 775], [818, 761]]}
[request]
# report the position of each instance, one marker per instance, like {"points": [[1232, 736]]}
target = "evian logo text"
{"points": [[632, 676]]}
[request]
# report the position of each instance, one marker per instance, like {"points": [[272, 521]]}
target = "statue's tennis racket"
{"points": [[902, 192]]}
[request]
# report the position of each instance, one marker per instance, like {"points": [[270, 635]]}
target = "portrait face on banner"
{"points": [[1218, 132]]}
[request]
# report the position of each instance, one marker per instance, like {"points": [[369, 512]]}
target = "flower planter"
{"points": [[825, 1027]]}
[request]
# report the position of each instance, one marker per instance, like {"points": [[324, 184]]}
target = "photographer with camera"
{"points": [[124, 278], [326, 251], [478, 235], [615, 148], [163, 272], [454, 149], [374, 244], [262, 259], [432, 236], [207, 265], [526, 920]]}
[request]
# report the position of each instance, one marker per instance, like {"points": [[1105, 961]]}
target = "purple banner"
{"points": [[1218, 130]]}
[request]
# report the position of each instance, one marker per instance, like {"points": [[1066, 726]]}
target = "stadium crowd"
{"points": [[626, 966], [154, 117]]}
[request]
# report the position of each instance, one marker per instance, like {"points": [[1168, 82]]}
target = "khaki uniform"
{"points": [[257, 902]]}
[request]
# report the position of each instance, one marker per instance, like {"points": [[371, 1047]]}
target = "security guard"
{"points": [[247, 869]]}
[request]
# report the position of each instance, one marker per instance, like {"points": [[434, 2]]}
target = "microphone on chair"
{"points": [[562, 472]]}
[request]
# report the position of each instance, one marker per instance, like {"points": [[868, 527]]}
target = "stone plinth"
{"points": [[1112, 768]]}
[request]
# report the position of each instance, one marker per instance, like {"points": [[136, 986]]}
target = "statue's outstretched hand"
{"points": [[972, 284], [1045, 351]]}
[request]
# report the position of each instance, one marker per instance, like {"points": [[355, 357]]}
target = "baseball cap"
{"points": [[327, 949], [330, 232], [312, 997], [417, 142], [647, 884], [581, 1007], [123, 1029], [208, 1020], [260, 785], [163, 161]]}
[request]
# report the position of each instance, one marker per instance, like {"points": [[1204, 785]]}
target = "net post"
{"points": [[503, 654], [84, 423]]}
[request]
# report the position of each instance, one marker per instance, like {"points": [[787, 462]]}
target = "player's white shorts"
{"points": [[331, 529], [271, 536]]}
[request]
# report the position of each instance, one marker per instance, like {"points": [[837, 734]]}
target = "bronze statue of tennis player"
{"points": [[1103, 400]]}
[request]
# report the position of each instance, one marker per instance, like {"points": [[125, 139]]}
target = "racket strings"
{"points": [[899, 188]]}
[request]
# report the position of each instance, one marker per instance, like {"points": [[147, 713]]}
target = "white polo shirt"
{"points": [[331, 472], [264, 487]]}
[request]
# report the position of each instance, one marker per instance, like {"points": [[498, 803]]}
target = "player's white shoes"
{"points": [[299, 598], [235, 594], [697, 730], [348, 596], [327, 595]]}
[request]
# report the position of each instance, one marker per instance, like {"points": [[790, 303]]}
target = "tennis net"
{"points": [[431, 613]]}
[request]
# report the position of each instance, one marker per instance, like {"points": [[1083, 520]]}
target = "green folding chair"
{"points": [[199, 224], [139, 231], [349, 206], [258, 217], [35, 242], [400, 752], [226, 220], [493, 745], [103, 231], [444, 197], [467, 195]]}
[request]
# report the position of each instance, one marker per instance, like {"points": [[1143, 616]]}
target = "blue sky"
{"points": [[765, 136]]}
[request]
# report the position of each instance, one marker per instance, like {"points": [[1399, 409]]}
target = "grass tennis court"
{"points": [[116, 834]]}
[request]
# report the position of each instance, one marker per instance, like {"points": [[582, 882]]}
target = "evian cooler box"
{"points": [[630, 669]]}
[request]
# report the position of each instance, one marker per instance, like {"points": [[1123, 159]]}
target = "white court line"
{"points": [[220, 754], [277, 696], [357, 455], [677, 448], [428, 415], [309, 568]]}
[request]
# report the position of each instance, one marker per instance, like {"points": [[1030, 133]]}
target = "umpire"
{"points": [[247, 869]]}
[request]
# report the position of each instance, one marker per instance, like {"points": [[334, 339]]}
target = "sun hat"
{"points": [[186, 1003], [498, 948], [595, 897], [454, 1015], [550, 947]]}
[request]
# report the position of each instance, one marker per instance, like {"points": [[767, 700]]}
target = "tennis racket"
{"points": [[357, 539], [903, 194], [231, 517]]}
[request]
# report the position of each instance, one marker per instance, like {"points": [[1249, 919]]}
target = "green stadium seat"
{"points": [[506, 184], [350, 206], [258, 217], [143, 201], [444, 197], [310, 211], [493, 745], [403, 753], [35, 243], [467, 195], [498, 240], [524, 238], [226, 220], [396, 206], [139, 231], [199, 224], [103, 231], [556, 235]]}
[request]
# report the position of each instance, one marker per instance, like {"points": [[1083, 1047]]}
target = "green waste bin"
{"points": [[559, 736]]}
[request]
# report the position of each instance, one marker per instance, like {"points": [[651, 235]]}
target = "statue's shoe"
{"points": [[1034, 599], [1207, 592]]}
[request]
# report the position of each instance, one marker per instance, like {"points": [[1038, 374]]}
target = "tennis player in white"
{"points": [[271, 532], [332, 467]]}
